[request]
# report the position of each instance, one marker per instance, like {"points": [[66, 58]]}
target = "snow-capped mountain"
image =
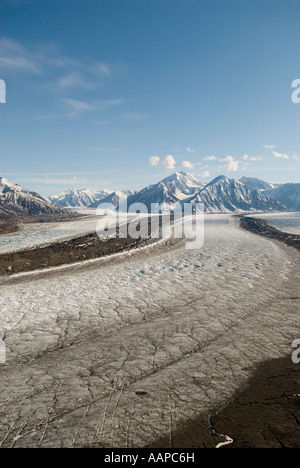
{"points": [[114, 198], [228, 195], [257, 184], [18, 201], [288, 195], [221, 195], [78, 198], [170, 191]]}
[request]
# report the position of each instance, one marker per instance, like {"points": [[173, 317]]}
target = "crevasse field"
{"points": [[117, 352]]}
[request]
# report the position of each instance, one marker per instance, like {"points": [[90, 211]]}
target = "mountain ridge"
{"points": [[221, 195], [75, 198], [17, 201]]}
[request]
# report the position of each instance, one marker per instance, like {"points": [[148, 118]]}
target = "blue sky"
{"points": [[121, 93]]}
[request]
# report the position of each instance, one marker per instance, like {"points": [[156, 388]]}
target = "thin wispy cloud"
{"points": [[39, 59], [81, 106], [246, 157], [77, 106], [137, 116], [255, 158], [102, 69], [48, 181], [101, 105], [14, 57], [279, 155], [210, 158], [72, 81], [189, 150], [269, 147], [57, 174]]}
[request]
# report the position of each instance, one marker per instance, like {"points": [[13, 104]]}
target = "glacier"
{"points": [[103, 354]]}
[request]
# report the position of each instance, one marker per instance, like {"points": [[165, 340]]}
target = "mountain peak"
{"points": [[257, 184], [221, 178], [230, 195], [7, 183], [78, 197], [178, 176], [21, 202]]}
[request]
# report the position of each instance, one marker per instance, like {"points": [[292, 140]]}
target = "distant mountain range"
{"points": [[113, 198], [229, 195], [77, 198], [288, 195], [257, 184], [169, 192], [221, 195]]}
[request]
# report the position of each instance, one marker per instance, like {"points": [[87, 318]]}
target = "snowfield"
{"points": [[116, 353]]}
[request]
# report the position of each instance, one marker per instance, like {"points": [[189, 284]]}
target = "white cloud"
{"points": [[210, 158], [154, 161], [77, 106], [80, 106], [255, 158], [51, 181], [232, 165], [280, 155], [73, 80], [101, 105], [189, 150], [246, 157], [269, 147], [102, 69], [205, 174], [168, 162], [188, 165], [227, 159], [67, 72]]}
